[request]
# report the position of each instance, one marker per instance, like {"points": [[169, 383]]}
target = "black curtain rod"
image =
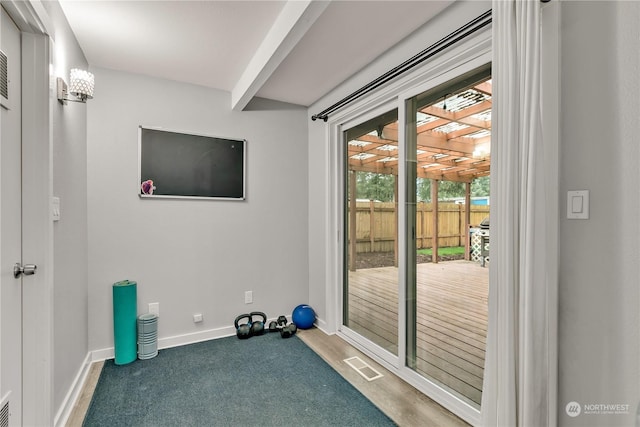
{"points": [[442, 44]]}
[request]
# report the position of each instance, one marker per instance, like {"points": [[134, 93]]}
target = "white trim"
{"points": [[364, 348], [333, 248], [30, 16], [37, 135], [402, 237], [360, 341], [71, 398], [195, 337], [550, 104], [37, 183], [460, 408], [102, 354], [40, 18], [468, 55], [322, 325], [174, 341], [183, 339]]}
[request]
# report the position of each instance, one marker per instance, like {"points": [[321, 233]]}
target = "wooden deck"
{"points": [[452, 319]]}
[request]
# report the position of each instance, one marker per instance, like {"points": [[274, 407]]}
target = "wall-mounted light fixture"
{"points": [[81, 85]]}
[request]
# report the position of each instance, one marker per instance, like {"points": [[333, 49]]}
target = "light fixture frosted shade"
{"points": [[81, 83]]}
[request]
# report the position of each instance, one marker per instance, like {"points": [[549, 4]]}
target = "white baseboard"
{"points": [[73, 394], [174, 341], [322, 325], [178, 340], [195, 337]]}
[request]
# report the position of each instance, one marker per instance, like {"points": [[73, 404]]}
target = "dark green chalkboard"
{"points": [[190, 165]]}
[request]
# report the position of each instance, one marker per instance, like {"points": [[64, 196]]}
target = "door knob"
{"points": [[27, 269]]}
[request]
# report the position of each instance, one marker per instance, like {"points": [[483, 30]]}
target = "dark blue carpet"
{"points": [[262, 381]]}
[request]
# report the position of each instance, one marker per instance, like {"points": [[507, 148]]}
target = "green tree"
{"points": [[423, 188], [450, 190], [375, 186], [480, 186]]}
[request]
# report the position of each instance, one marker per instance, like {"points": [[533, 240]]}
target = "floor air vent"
{"points": [[4, 413], [4, 76], [363, 368]]}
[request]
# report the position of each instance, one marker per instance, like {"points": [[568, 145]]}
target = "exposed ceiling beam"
{"points": [[295, 19]]}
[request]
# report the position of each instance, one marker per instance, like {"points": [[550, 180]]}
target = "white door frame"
{"points": [[38, 94]]}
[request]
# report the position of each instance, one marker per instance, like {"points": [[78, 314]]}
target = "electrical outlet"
{"points": [[197, 318], [154, 308], [248, 297]]}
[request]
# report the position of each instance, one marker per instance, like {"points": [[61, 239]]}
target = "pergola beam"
{"points": [[484, 87], [467, 221], [451, 156], [435, 207]]}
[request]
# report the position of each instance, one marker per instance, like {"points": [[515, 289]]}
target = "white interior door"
{"points": [[10, 229]]}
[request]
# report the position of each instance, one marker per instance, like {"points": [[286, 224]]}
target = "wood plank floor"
{"points": [[451, 326], [404, 404], [76, 418]]}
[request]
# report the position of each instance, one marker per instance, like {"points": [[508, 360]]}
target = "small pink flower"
{"points": [[147, 187]]}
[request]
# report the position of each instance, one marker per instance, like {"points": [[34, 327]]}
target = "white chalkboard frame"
{"points": [[178, 134]]}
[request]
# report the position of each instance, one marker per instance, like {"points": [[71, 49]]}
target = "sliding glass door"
{"points": [[370, 291], [447, 141], [416, 263]]}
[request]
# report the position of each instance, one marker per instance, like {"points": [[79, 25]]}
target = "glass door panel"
{"points": [[448, 134], [371, 230]]}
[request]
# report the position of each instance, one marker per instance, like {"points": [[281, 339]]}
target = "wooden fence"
{"points": [[376, 225]]}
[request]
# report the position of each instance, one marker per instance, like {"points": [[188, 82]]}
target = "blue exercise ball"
{"points": [[303, 316]]}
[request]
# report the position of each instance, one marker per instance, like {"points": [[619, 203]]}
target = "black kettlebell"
{"points": [[243, 331], [282, 321], [257, 326], [288, 330], [273, 326]]}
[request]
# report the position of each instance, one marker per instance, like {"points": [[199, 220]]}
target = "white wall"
{"points": [[599, 258], [192, 255], [70, 325]]}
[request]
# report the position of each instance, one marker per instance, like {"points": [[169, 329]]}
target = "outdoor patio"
{"points": [[452, 319]]}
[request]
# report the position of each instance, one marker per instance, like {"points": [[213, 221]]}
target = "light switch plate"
{"points": [[578, 204]]}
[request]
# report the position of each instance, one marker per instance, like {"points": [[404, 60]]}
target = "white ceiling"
{"points": [[292, 51]]}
